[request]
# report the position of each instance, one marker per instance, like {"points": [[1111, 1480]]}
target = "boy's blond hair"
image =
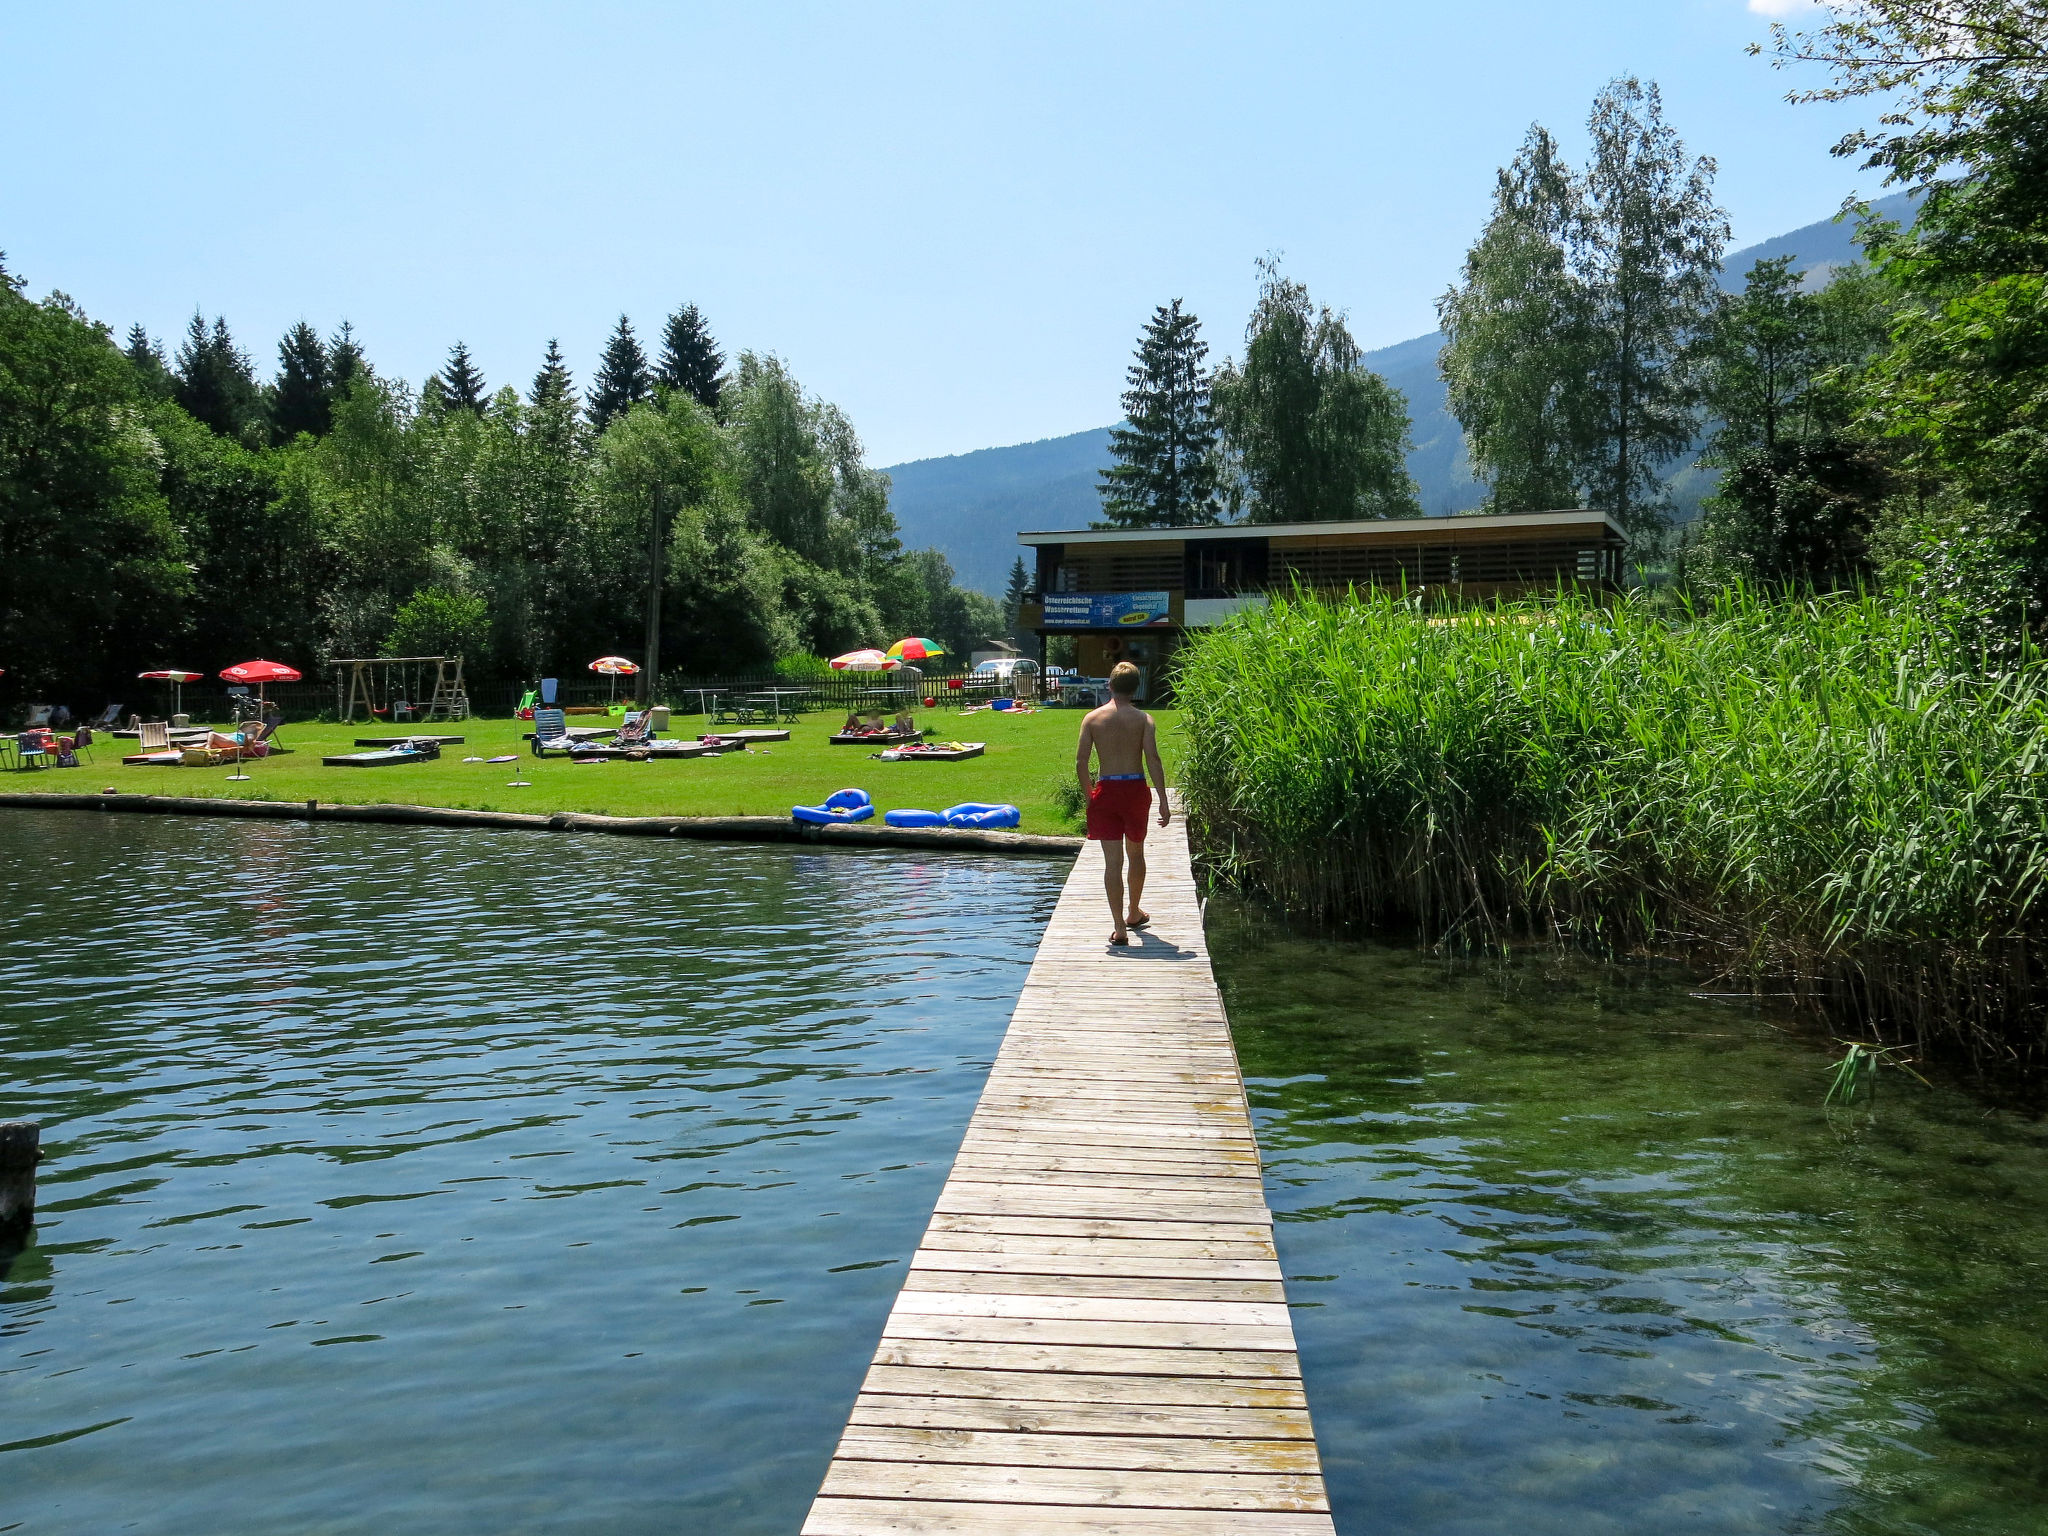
{"points": [[1123, 679]]}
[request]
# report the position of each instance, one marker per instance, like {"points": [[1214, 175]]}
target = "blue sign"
{"points": [[1107, 610]]}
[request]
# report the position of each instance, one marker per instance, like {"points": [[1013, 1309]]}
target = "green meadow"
{"points": [[1027, 757]]}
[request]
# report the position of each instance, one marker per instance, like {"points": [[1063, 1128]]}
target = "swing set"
{"points": [[373, 678]]}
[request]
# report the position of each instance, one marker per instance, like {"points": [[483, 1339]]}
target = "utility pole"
{"points": [[654, 574]]}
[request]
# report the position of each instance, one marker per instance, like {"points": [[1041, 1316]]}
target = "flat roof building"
{"points": [[1128, 594]]}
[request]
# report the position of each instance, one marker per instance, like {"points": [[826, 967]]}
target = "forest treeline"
{"points": [[172, 509], [1881, 423]]}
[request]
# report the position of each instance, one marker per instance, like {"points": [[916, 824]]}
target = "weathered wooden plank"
{"points": [[1127, 1452], [1092, 1265], [979, 1280], [1160, 1337], [874, 1408], [938, 1517], [1090, 1359], [1105, 1227], [1024, 1388], [1075, 1486], [914, 1298]]}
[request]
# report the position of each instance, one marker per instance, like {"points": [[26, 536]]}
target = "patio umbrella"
{"points": [[177, 680], [870, 660], [614, 667], [916, 648], [260, 673]]}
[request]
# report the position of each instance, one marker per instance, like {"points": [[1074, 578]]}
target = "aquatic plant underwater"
{"points": [[1830, 796]]}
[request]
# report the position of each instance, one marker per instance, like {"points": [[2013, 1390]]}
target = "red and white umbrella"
{"points": [[870, 660], [615, 667], [177, 679]]}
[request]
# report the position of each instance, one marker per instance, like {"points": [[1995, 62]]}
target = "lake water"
{"points": [[1573, 1252], [443, 1182]]}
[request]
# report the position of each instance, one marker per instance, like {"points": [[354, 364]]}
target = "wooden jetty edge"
{"points": [[1093, 1337]]}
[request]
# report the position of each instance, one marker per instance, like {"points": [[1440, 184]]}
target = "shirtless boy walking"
{"points": [[1125, 742]]}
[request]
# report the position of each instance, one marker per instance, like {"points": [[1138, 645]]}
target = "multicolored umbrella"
{"points": [[615, 667], [177, 679], [916, 648], [869, 660]]}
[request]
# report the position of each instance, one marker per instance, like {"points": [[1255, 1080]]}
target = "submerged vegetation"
{"points": [[1834, 796]]}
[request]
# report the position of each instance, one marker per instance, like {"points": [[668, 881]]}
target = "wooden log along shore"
{"points": [[1093, 1337], [719, 829]]}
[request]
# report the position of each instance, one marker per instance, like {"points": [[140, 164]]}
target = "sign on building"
{"points": [[1107, 610]]}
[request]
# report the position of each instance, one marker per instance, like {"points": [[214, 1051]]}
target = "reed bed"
{"points": [[1831, 797]]}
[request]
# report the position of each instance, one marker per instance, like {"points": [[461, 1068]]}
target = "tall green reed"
{"points": [[1830, 794]]}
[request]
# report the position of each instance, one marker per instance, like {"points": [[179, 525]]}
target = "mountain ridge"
{"points": [[973, 505]]}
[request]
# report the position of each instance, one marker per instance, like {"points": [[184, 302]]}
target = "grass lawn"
{"points": [[1026, 756]]}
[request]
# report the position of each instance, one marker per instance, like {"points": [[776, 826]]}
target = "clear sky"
{"points": [[950, 218]]}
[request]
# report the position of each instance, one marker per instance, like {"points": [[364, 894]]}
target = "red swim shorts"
{"points": [[1118, 810]]}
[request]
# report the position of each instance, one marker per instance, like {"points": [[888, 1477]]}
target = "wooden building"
{"points": [[1128, 594]]}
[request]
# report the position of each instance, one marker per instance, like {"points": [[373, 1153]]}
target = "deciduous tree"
{"points": [[1312, 434], [1518, 335]]}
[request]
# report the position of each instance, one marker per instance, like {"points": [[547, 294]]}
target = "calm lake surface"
{"points": [[1573, 1252], [438, 1182]]}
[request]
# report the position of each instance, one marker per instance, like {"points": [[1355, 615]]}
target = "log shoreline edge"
{"points": [[723, 829]]}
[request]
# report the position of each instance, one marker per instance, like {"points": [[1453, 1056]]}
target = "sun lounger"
{"points": [[423, 750], [751, 736], [875, 738], [936, 752], [399, 741]]}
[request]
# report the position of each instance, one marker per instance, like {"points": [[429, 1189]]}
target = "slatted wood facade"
{"points": [[1093, 1336]]}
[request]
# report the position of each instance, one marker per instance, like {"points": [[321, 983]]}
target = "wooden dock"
{"points": [[1093, 1337]]}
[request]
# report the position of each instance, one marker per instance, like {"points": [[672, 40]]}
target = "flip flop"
{"points": [[513, 758], [1124, 941], [1139, 922]]}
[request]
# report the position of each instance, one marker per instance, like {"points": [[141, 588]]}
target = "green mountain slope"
{"points": [[973, 505]]}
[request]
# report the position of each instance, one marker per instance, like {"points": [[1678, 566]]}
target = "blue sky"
{"points": [[951, 219]]}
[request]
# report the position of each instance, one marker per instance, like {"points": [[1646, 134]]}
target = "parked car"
{"points": [[1016, 676]]}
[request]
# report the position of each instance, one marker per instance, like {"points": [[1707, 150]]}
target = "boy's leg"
{"points": [[1137, 916], [1113, 887]]}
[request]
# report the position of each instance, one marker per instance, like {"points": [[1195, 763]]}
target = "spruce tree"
{"points": [[345, 362], [462, 382], [146, 356], [215, 381], [299, 400], [622, 377], [690, 359], [553, 386], [1165, 470], [1014, 594]]}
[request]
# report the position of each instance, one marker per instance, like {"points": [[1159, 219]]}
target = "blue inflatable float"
{"points": [[913, 818], [973, 813], [840, 805]]}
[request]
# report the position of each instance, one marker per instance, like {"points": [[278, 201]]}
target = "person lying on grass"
{"points": [[1125, 742]]}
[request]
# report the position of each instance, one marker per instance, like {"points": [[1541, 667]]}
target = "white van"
{"points": [[1016, 676]]}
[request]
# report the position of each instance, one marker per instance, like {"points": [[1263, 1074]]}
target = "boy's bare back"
{"points": [[1119, 732]]}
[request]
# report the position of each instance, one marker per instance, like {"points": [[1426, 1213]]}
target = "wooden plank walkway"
{"points": [[1093, 1338]]}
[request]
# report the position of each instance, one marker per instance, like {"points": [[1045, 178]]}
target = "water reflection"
{"points": [[1573, 1252], [443, 1182]]}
